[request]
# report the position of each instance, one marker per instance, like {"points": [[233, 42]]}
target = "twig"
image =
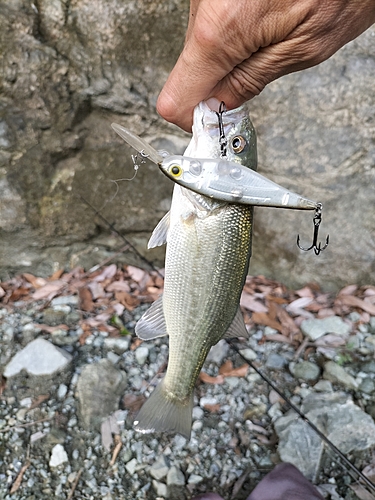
{"points": [[29, 424], [116, 449], [74, 485], [18, 481]]}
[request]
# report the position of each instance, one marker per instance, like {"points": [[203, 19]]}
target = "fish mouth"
{"points": [[206, 118]]}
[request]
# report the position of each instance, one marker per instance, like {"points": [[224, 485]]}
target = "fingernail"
{"points": [[213, 104]]}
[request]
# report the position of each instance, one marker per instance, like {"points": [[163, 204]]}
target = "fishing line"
{"points": [[112, 227], [304, 418]]}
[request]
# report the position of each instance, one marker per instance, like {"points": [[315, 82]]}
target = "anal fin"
{"points": [[237, 327]]}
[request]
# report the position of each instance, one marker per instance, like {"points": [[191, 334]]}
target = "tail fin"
{"points": [[161, 413]]}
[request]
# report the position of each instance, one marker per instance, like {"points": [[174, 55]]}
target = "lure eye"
{"points": [[176, 170], [238, 144]]}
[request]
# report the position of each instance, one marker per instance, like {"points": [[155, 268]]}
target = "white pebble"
{"points": [[58, 456]]}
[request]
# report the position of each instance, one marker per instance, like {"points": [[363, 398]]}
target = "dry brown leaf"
{"points": [[277, 337], [325, 312], [361, 492], [18, 481], [207, 379], [212, 408], [227, 370], [348, 290], [19, 293], [128, 300], [118, 286], [350, 300], [286, 321], [34, 281], [38, 400], [56, 275], [107, 273], [51, 329], [305, 292], [248, 302], [330, 340], [85, 300], [49, 290], [136, 274], [96, 290], [264, 319], [136, 343]]}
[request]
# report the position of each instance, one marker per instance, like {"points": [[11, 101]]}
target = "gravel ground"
{"points": [[53, 442]]}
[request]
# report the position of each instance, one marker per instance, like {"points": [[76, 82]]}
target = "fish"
{"points": [[208, 248]]}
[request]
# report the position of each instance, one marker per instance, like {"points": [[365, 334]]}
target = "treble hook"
{"points": [[222, 138], [317, 221]]}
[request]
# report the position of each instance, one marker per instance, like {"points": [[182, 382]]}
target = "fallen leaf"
{"points": [[85, 300], [278, 337], [51, 329], [96, 290], [49, 290], [132, 402], [17, 482], [118, 286], [38, 400], [264, 319], [136, 274], [34, 281], [248, 302], [348, 290], [361, 492], [56, 275], [350, 300], [128, 300], [108, 272], [227, 370], [305, 292], [207, 379], [212, 408]]}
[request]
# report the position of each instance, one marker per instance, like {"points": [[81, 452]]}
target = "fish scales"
{"points": [[200, 312], [208, 251]]}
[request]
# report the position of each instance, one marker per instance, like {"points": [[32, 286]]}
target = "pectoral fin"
{"points": [[159, 234], [237, 328], [152, 323]]}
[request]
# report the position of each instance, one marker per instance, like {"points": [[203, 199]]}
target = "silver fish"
{"points": [[207, 257]]}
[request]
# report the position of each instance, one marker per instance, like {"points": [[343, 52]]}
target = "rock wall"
{"points": [[71, 67]]}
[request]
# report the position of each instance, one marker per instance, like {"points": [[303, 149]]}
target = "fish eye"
{"points": [[175, 170], [239, 143]]}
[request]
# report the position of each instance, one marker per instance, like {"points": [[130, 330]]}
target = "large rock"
{"points": [[99, 388], [39, 368], [69, 69], [349, 428]]}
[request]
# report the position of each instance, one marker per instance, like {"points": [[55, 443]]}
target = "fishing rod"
{"points": [[324, 438]]}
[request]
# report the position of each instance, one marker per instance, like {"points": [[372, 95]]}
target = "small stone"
{"points": [[53, 317], [367, 385], [119, 345], [232, 381], [175, 477], [198, 413], [270, 331], [113, 357], [275, 362], [68, 299], [21, 414], [307, 371], [131, 465], [337, 374], [141, 354], [61, 391], [249, 354], [26, 402], [323, 386], [195, 479], [160, 468], [58, 456], [160, 488], [369, 367], [39, 357], [218, 352], [316, 328]]}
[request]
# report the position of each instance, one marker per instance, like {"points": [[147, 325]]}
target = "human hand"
{"points": [[234, 49]]}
